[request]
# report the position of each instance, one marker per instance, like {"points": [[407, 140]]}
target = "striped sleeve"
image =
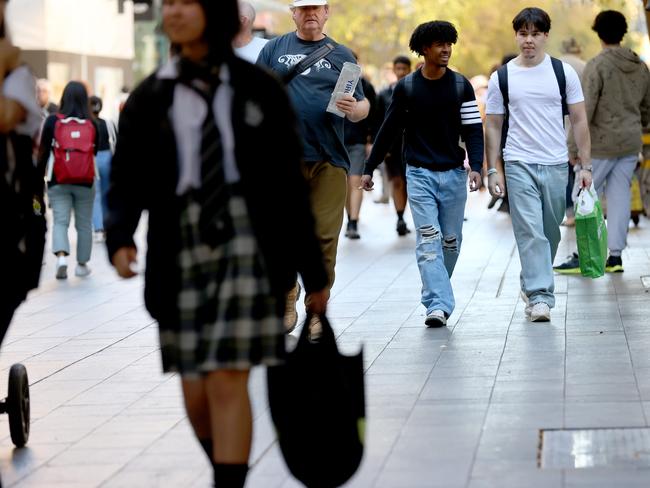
{"points": [[469, 113]]}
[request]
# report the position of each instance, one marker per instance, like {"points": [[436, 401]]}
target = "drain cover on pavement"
{"points": [[590, 448]]}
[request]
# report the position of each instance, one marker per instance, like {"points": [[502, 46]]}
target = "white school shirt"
{"points": [[187, 113], [536, 131]]}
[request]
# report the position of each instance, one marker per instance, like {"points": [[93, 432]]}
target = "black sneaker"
{"points": [[402, 230], [570, 266], [351, 232], [614, 264]]}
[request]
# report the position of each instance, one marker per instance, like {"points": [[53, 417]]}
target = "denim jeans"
{"points": [[437, 200], [64, 199], [614, 177], [103, 160], [537, 204]]}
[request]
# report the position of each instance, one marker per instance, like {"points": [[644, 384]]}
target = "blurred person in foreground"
{"points": [[22, 218], [217, 274]]}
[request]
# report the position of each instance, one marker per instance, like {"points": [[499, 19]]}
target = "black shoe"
{"points": [[614, 264], [570, 266], [351, 232], [504, 207], [402, 230]]}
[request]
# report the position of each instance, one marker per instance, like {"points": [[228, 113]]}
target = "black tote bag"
{"points": [[318, 409]]}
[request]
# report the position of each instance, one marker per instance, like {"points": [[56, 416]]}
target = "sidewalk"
{"points": [[455, 407]]}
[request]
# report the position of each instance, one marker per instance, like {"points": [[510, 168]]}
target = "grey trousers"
{"points": [[614, 177]]}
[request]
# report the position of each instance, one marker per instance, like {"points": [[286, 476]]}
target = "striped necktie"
{"points": [[215, 223]]}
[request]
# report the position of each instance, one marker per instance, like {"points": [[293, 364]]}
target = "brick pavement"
{"points": [[455, 407]]}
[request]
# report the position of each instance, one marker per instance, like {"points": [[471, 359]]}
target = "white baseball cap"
{"points": [[307, 3]]}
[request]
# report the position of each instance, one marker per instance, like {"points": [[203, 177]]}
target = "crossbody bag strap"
{"points": [[309, 61], [502, 75], [558, 69]]}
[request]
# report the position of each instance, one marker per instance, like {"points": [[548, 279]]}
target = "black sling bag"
{"points": [[308, 62]]}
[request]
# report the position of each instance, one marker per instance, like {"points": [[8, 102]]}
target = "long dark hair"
{"points": [[74, 101]]}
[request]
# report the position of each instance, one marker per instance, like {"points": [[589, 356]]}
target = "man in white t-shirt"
{"points": [[535, 153], [246, 45]]}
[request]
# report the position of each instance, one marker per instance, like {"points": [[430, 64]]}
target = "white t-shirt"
{"points": [[536, 132], [251, 51]]}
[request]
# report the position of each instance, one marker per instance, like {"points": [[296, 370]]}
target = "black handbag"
{"points": [[318, 409]]}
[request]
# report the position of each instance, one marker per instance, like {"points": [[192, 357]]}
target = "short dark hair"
{"points": [[532, 16], [96, 104], [610, 25], [401, 59], [435, 31]]}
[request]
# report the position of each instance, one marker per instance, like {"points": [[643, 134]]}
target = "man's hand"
{"points": [[317, 302], [123, 259], [475, 180], [367, 183], [347, 104], [496, 185], [585, 178]]}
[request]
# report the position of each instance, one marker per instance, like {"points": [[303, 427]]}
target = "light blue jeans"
{"points": [[64, 199], [103, 160], [537, 195], [614, 177], [437, 200]]}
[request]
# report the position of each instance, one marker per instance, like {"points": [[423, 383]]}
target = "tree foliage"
{"points": [[380, 30]]}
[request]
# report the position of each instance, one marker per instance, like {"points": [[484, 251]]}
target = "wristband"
{"points": [[492, 171], [586, 168]]}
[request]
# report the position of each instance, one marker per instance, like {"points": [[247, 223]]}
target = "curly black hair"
{"points": [[610, 25], [532, 16], [426, 34]]}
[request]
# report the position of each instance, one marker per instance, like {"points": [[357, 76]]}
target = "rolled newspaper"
{"points": [[345, 85]]}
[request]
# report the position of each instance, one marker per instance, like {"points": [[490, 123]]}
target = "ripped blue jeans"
{"points": [[437, 200]]}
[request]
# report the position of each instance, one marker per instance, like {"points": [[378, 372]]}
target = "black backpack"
{"points": [[502, 74]]}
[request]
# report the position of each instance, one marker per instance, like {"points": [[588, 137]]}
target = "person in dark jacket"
{"points": [[22, 217], [208, 146]]}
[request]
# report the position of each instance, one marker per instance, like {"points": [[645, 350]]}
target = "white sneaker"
{"points": [[540, 312], [61, 268], [82, 270], [436, 318], [528, 307], [100, 237]]}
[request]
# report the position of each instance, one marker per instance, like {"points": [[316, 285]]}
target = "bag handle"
{"points": [[327, 337]]}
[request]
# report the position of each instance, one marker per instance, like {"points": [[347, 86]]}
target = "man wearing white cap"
{"points": [[325, 159]]}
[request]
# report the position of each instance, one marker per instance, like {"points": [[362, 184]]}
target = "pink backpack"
{"points": [[73, 147]]}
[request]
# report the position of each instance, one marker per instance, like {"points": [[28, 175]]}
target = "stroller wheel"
{"points": [[18, 405]]}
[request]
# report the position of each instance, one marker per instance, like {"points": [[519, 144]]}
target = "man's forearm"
{"points": [[583, 141], [492, 144]]}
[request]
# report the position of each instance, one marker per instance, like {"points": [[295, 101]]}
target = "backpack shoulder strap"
{"points": [[558, 69], [502, 75], [460, 87], [408, 85]]}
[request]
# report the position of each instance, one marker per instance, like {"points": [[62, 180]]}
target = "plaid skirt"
{"points": [[228, 316]]}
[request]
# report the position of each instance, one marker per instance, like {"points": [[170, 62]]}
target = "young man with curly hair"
{"points": [[433, 107]]}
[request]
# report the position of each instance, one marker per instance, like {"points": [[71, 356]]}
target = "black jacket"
{"points": [[144, 176]]}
